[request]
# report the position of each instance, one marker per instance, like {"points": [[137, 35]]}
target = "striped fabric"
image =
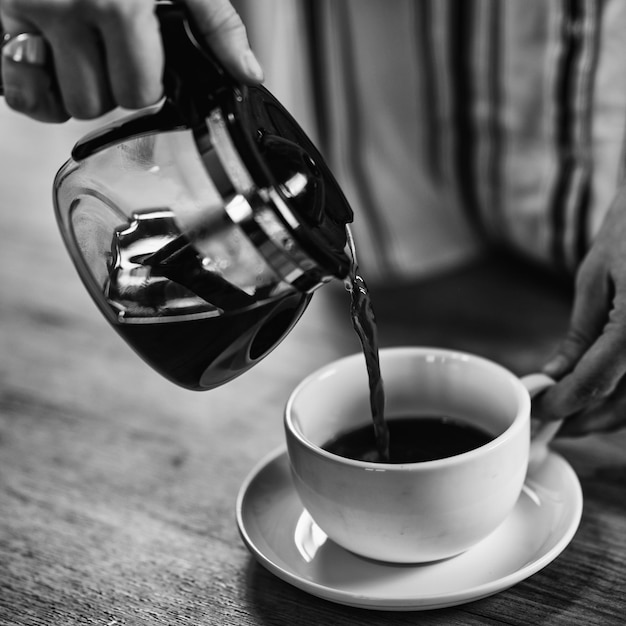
{"points": [[456, 124]]}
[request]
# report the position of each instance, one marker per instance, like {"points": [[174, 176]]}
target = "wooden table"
{"points": [[117, 489]]}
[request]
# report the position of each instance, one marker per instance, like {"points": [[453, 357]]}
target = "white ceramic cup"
{"points": [[412, 512]]}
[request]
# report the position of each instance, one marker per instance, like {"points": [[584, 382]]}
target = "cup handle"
{"points": [[541, 432]]}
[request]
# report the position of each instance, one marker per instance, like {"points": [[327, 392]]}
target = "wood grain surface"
{"points": [[117, 489]]}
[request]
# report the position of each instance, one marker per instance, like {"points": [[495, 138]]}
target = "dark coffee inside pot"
{"points": [[411, 440], [182, 315]]}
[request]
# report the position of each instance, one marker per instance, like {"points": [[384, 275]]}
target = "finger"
{"points": [[32, 91], [606, 416], [589, 422], [134, 56], [223, 30], [81, 74], [29, 84], [595, 376], [589, 315]]}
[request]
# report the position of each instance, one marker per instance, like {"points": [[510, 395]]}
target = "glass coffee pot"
{"points": [[202, 226]]}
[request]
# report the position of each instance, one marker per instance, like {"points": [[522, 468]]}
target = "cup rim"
{"points": [[325, 370]]}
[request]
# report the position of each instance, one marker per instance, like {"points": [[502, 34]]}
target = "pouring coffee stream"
{"points": [[364, 324]]}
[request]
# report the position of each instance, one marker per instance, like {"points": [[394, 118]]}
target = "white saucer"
{"points": [[282, 536]]}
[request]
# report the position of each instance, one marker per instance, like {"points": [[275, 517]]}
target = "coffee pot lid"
{"points": [[290, 204]]}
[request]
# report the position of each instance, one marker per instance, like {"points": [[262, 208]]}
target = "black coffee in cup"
{"points": [[412, 440]]}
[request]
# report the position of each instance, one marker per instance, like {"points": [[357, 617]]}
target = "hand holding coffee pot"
{"points": [[83, 59]]}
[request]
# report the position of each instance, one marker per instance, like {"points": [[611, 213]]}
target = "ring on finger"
{"points": [[29, 48]]}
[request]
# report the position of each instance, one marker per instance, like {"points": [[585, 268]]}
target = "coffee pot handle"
{"points": [[193, 81], [193, 77]]}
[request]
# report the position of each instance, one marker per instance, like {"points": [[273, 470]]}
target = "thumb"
{"points": [[590, 313], [223, 30], [559, 364]]}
